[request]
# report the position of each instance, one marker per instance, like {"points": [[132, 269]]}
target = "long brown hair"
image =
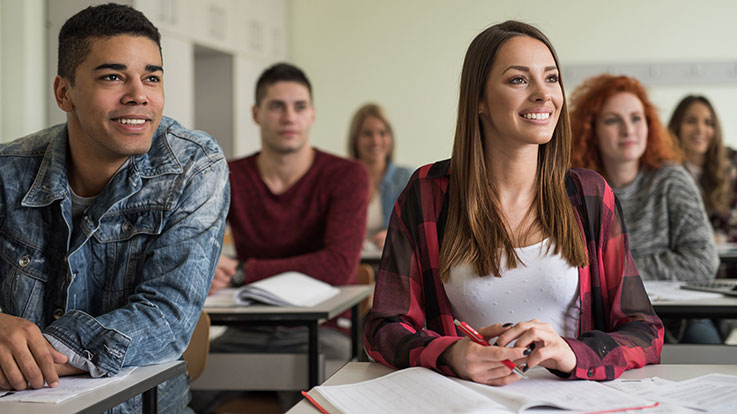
{"points": [[476, 231], [714, 180], [589, 98]]}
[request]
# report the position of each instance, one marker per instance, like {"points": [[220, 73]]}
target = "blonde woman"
{"points": [[371, 141]]}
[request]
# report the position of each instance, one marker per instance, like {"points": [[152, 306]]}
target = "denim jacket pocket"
{"points": [[127, 224], [24, 272], [122, 239]]}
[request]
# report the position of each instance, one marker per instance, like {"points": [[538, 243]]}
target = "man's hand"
{"points": [[26, 358], [225, 270], [379, 239]]}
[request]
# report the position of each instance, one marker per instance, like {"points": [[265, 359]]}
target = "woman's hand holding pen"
{"points": [[548, 348], [483, 364]]}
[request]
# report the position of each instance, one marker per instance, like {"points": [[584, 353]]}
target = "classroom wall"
{"points": [[22, 68], [407, 55]]}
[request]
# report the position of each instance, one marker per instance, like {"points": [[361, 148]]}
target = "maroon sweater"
{"points": [[316, 227]]}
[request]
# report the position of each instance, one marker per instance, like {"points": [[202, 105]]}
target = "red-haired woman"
{"points": [[504, 236], [617, 132]]}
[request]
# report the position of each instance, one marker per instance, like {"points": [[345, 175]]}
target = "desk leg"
{"points": [[355, 332], [150, 400], [312, 353]]}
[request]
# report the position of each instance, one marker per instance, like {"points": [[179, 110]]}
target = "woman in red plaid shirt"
{"points": [[505, 236]]}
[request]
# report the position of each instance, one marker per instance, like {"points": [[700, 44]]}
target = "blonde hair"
{"points": [[366, 111]]}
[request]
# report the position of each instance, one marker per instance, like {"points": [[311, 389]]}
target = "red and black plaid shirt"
{"points": [[411, 323]]}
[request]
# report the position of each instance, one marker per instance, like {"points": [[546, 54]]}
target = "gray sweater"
{"points": [[669, 233]]}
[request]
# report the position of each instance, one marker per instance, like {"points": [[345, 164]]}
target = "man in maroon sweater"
{"points": [[292, 208]]}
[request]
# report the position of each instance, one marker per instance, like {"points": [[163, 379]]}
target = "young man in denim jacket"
{"points": [[110, 224]]}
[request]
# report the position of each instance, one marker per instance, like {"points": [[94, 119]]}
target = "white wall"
{"points": [[213, 96], [22, 68], [407, 55]]}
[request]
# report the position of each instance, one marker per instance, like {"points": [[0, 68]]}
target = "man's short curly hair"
{"points": [[102, 21]]}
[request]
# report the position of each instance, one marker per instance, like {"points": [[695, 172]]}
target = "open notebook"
{"points": [[420, 390], [284, 289]]}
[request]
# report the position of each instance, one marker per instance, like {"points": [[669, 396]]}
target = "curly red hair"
{"points": [[586, 103]]}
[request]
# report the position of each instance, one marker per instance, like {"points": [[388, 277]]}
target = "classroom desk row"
{"points": [[144, 379]]}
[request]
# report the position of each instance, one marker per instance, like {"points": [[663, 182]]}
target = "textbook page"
{"points": [[423, 390], [544, 389], [411, 390], [68, 387]]}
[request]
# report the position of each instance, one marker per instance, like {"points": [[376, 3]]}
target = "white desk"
{"points": [[143, 380], [371, 256], [349, 297], [688, 304], [722, 307], [361, 371]]}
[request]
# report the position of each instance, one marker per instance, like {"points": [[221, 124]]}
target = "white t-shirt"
{"points": [[374, 216], [544, 287]]}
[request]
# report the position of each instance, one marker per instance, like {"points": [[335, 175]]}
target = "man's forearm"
{"points": [[65, 370]]}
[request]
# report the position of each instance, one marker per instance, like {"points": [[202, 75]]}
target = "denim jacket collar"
{"points": [[50, 183]]}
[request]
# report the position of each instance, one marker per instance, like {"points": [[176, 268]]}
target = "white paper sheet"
{"points": [[68, 387], [647, 387], [713, 393]]}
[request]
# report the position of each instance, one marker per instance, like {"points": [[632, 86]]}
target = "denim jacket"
{"points": [[125, 287]]}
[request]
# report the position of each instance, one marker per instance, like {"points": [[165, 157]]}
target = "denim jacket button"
{"points": [[58, 312], [24, 261], [127, 227]]}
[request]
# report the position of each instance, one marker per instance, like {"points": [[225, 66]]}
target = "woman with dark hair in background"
{"points": [[371, 141], [504, 236], [617, 132], [712, 164]]}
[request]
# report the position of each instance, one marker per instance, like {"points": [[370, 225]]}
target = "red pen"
{"points": [[476, 337]]}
